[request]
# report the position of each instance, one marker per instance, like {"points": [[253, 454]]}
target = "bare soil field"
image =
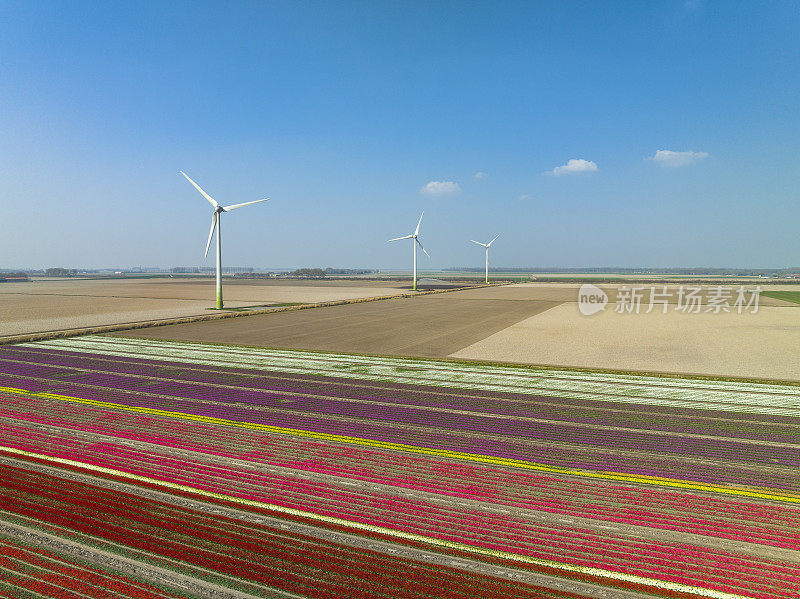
{"points": [[568, 292], [53, 305], [428, 325], [761, 345]]}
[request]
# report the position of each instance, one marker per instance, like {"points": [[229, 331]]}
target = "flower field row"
{"points": [[778, 525], [671, 562], [469, 400], [34, 571], [298, 564], [729, 396], [503, 432], [561, 491]]}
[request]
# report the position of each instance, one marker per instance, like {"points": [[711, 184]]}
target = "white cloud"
{"points": [[440, 188], [670, 158], [575, 165], [480, 175], [525, 197]]}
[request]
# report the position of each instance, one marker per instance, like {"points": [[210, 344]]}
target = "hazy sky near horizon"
{"points": [[585, 134]]}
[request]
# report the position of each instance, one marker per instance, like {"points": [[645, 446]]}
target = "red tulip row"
{"points": [[52, 575], [690, 565], [256, 553]]}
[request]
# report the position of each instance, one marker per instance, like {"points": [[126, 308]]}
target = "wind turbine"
{"points": [[216, 223], [415, 237], [486, 245]]}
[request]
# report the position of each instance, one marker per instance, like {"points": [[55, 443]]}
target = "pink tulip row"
{"points": [[698, 565], [203, 400], [733, 520], [478, 481]]}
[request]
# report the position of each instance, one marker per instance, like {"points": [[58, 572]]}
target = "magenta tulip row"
{"points": [[692, 565], [770, 524]]}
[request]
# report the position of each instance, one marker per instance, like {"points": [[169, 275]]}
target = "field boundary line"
{"points": [[444, 453], [504, 555]]}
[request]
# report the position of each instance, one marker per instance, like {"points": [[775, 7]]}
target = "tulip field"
{"points": [[142, 468]]}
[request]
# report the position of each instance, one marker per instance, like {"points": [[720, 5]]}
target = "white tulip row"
{"points": [[597, 386]]}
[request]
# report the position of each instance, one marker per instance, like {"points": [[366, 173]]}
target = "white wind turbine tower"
{"points": [[486, 245], [415, 237], [216, 223]]}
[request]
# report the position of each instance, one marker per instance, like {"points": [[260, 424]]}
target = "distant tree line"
{"points": [[60, 272], [348, 271], [13, 275], [317, 273]]}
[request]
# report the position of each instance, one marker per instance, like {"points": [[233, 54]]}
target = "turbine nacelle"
{"points": [[217, 210], [213, 202], [486, 245], [414, 236]]}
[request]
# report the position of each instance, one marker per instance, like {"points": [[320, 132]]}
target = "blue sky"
{"points": [[343, 113]]}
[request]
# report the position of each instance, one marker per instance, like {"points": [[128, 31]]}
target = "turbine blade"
{"points": [[422, 248], [214, 218], [234, 206], [492, 241], [416, 231], [478, 242], [399, 238], [197, 187]]}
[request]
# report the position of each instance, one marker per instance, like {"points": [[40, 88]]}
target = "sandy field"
{"points": [[761, 345], [568, 292], [54, 305]]}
